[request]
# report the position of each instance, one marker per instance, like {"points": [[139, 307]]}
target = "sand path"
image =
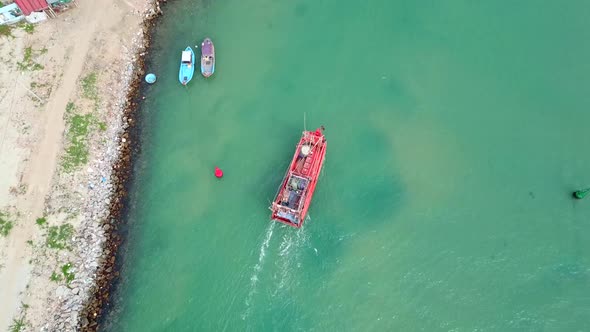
{"points": [[74, 43]]}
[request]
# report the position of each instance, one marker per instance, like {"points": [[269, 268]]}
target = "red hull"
{"points": [[296, 191]]}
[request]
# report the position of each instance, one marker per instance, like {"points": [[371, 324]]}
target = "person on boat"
{"points": [[318, 132]]}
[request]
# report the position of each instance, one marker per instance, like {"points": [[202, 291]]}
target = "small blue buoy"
{"points": [[150, 78]]}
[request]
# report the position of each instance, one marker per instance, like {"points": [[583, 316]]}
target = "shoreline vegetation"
{"points": [[69, 142]]}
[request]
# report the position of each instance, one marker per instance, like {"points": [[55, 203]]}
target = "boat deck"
{"points": [[295, 193], [292, 194]]}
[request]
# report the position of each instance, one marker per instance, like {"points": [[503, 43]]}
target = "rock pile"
{"points": [[121, 162]]}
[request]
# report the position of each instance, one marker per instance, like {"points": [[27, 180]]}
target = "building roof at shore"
{"points": [[29, 6]]}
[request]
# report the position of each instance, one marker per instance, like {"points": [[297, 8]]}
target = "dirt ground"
{"points": [[59, 90]]}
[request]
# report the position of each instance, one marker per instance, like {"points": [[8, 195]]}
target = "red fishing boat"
{"points": [[294, 196]]}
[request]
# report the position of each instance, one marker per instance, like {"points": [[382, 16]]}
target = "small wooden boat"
{"points": [[294, 195], [187, 66], [207, 57]]}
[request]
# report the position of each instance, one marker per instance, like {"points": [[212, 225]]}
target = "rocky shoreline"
{"points": [[106, 273], [82, 303]]}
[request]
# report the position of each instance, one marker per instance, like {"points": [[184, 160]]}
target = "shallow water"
{"points": [[456, 133]]}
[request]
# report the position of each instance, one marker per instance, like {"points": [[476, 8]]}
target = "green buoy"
{"points": [[579, 194]]}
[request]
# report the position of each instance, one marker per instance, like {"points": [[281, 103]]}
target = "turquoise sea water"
{"points": [[457, 131]]}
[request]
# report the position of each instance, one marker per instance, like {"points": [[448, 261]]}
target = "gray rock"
{"points": [[62, 291]]}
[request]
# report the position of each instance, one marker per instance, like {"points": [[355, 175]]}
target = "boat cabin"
{"points": [[186, 57], [293, 193], [292, 198]]}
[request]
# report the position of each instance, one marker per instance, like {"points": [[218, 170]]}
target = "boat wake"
{"points": [[289, 260], [258, 268]]}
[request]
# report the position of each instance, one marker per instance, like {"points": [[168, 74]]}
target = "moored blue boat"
{"points": [[207, 58], [187, 66]]}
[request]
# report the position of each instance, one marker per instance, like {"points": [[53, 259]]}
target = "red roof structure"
{"points": [[29, 6]]}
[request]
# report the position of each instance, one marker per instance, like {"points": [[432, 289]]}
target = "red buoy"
{"points": [[218, 172]]}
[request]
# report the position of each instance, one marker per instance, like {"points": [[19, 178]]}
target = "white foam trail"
{"points": [[284, 259], [290, 249], [258, 268], [285, 245]]}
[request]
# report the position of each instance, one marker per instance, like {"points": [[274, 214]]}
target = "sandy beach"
{"points": [[63, 90]]}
